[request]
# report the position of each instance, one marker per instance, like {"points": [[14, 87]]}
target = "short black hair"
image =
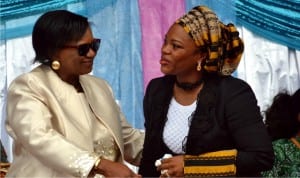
{"points": [[53, 30], [295, 105], [281, 116]]}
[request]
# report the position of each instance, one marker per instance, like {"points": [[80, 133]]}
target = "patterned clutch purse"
{"points": [[212, 164]]}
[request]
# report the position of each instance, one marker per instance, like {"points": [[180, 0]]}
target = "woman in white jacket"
{"points": [[65, 122]]}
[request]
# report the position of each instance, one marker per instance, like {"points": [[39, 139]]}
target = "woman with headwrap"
{"points": [[206, 119]]}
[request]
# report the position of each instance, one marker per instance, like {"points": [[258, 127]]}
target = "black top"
{"points": [[226, 117]]}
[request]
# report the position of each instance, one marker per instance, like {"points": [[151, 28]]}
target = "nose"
{"points": [[165, 49], [91, 53]]}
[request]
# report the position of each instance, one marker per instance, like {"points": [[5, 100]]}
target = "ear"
{"points": [[201, 59], [199, 66], [199, 56], [203, 55]]}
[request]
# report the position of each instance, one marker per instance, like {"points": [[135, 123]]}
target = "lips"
{"points": [[87, 62], [164, 61]]}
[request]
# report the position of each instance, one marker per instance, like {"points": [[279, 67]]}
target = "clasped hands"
{"points": [[171, 166], [110, 168]]}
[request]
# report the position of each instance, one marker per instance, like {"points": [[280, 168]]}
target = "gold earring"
{"points": [[55, 65], [199, 66]]}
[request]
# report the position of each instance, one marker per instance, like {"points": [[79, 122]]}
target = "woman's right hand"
{"points": [[114, 169], [172, 167]]}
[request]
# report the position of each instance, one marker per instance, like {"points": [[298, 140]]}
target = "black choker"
{"points": [[187, 85]]}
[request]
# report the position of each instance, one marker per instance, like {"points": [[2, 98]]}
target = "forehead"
{"points": [[176, 31], [86, 38]]}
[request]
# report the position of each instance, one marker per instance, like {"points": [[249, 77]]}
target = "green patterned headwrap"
{"points": [[222, 42]]}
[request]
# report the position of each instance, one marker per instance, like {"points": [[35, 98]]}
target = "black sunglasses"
{"points": [[83, 49]]}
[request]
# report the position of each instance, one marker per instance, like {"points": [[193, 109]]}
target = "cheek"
{"points": [[185, 62], [71, 63], [176, 65]]}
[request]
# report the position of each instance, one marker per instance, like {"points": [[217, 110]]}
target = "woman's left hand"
{"points": [[172, 167]]}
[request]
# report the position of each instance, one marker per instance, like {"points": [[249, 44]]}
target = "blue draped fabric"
{"points": [[224, 9], [277, 21], [14, 9], [117, 23], [18, 16]]}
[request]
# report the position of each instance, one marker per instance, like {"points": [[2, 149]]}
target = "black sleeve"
{"points": [[147, 167], [255, 152]]}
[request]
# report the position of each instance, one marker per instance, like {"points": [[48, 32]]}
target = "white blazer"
{"points": [[47, 141]]}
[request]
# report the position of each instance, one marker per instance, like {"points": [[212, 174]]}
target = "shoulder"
{"points": [[283, 148], [162, 79], [283, 143], [96, 84], [227, 86], [32, 78], [159, 89], [233, 82], [94, 79], [280, 142], [33, 84], [236, 93], [232, 86], [280, 146], [161, 82]]}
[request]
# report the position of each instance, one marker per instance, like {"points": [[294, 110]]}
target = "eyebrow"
{"points": [[174, 40], [177, 41]]}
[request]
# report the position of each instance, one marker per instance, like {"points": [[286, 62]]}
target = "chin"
{"points": [[87, 71], [165, 71]]}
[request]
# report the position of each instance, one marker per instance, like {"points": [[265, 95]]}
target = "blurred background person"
{"points": [[283, 124]]}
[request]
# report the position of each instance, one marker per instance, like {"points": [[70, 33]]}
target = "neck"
{"points": [[188, 85], [78, 87], [72, 80]]}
